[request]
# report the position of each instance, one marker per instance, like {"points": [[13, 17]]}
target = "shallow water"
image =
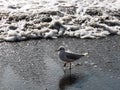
{"points": [[33, 65]]}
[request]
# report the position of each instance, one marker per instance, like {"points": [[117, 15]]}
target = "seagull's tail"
{"points": [[85, 53]]}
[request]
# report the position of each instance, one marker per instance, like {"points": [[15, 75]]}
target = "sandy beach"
{"points": [[34, 65]]}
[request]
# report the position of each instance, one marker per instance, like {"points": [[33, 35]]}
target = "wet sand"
{"points": [[33, 65]]}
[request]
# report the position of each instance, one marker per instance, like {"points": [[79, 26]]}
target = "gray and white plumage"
{"points": [[68, 57]]}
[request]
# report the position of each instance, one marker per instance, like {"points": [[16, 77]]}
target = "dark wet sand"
{"points": [[33, 65]]}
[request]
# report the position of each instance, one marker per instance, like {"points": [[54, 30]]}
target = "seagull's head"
{"points": [[61, 48]]}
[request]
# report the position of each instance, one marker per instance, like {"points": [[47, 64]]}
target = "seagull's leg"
{"points": [[70, 66], [65, 65]]}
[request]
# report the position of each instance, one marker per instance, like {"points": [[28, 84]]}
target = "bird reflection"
{"points": [[67, 80]]}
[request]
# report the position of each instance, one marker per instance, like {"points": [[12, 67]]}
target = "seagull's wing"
{"points": [[73, 56]]}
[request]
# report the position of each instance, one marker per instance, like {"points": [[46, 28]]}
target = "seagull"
{"points": [[68, 57]]}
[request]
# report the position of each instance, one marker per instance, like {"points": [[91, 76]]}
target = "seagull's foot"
{"points": [[65, 64]]}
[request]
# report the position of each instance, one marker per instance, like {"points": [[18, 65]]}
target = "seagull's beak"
{"points": [[56, 50]]}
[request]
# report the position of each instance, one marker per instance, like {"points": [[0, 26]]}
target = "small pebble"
{"points": [[111, 76], [92, 63], [86, 62], [78, 64], [95, 66]]}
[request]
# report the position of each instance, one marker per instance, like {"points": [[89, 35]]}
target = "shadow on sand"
{"points": [[69, 79]]}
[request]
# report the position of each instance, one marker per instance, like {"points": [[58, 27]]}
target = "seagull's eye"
{"points": [[62, 49]]}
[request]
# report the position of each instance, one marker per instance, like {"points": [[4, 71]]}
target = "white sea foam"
{"points": [[27, 19]]}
